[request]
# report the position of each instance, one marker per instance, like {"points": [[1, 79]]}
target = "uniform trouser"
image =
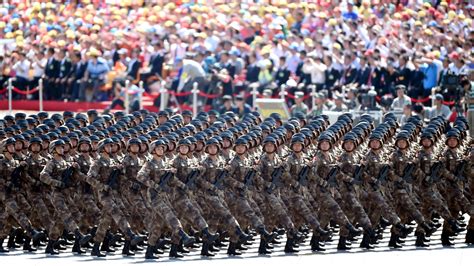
{"points": [[138, 210], [217, 210], [377, 207], [89, 209], [276, 212], [329, 210], [298, 207], [111, 212], [10, 210], [40, 211], [240, 207], [164, 213], [352, 207], [188, 210], [63, 215]]}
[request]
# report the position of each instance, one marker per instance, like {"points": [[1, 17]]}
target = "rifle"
{"points": [[461, 167], [383, 173], [219, 183], [435, 176], [16, 177], [303, 175], [408, 172], [248, 179], [66, 176], [331, 178], [113, 179], [164, 180], [359, 169], [191, 179], [276, 176]]}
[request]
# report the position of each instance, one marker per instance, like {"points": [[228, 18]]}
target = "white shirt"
{"points": [[38, 68], [22, 68]]}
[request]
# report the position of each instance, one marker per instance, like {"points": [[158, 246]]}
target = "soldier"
{"points": [[320, 189], [469, 173], [55, 174], [153, 176], [292, 190], [182, 198], [9, 187], [103, 176]]}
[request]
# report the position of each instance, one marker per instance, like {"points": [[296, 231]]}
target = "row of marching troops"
{"points": [[160, 181]]}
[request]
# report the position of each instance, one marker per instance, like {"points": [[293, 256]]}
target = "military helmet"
{"points": [[102, 143], [54, 144]]}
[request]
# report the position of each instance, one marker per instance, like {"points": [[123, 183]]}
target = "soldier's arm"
{"points": [[27, 175], [92, 174], [143, 175], [46, 177]]}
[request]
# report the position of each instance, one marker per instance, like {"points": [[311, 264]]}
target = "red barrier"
{"points": [[25, 92]]}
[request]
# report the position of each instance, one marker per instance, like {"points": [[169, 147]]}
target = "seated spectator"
{"points": [[299, 106], [402, 100], [439, 109]]}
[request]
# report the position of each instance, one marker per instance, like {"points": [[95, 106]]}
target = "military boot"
{"points": [[393, 241], [208, 237], [96, 250], [232, 250], [174, 251], [186, 239], [126, 249], [149, 255], [205, 250], [262, 248], [342, 245], [289, 246], [470, 236], [27, 244], [50, 248], [420, 240]]}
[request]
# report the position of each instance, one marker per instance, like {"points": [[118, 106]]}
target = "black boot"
{"points": [[181, 248], [106, 244], [126, 249], [96, 251], [174, 251], [208, 237], [205, 250], [342, 245], [316, 243], [420, 240], [80, 238], [163, 244], [353, 232], [289, 248], [149, 255], [262, 249], [393, 241], [186, 239], [366, 241], [243, 237], [470, 236], [11, 240], [428, 229], [232, 251], [403, 229], [241, 246], [27, 245], [455, 227], [268, 237], [2, 249], [50, 248], [445, 241], [134, 239]]}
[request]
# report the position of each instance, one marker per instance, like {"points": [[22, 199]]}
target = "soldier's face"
{"points": [[11, 148], [67, 147], [84, 147], [226, 143], [18, 145], [212, 149], [35, 147], [60, 150], [375, 144], [240, 149], [349, 146], [199, 146], [183, 149], [73, 142], [324, 146], [402, 144], [134, 148], [159, 150], [452, 142], [94, 145], [45, 145], [426, 143], [269, 147], [297, 147]]}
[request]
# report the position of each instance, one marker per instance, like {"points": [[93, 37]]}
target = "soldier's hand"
{"points": [[105, 187], [173, 170], [61, 184], [119, 166], [75, 165], [23, 163]]}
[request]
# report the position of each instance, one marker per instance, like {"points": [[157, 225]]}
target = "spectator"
{"points": [[21, 66], [439, 109], [339, 105], [96, 71], [402, 100], [299, 106]]}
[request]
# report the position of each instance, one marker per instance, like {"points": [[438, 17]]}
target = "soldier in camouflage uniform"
{"points": [[53, 175], [152, 175], [9, 207], [182, 198], [103, 176]]}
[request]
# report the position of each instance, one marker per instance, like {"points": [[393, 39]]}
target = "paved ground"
{"points": [[461, 254]]}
